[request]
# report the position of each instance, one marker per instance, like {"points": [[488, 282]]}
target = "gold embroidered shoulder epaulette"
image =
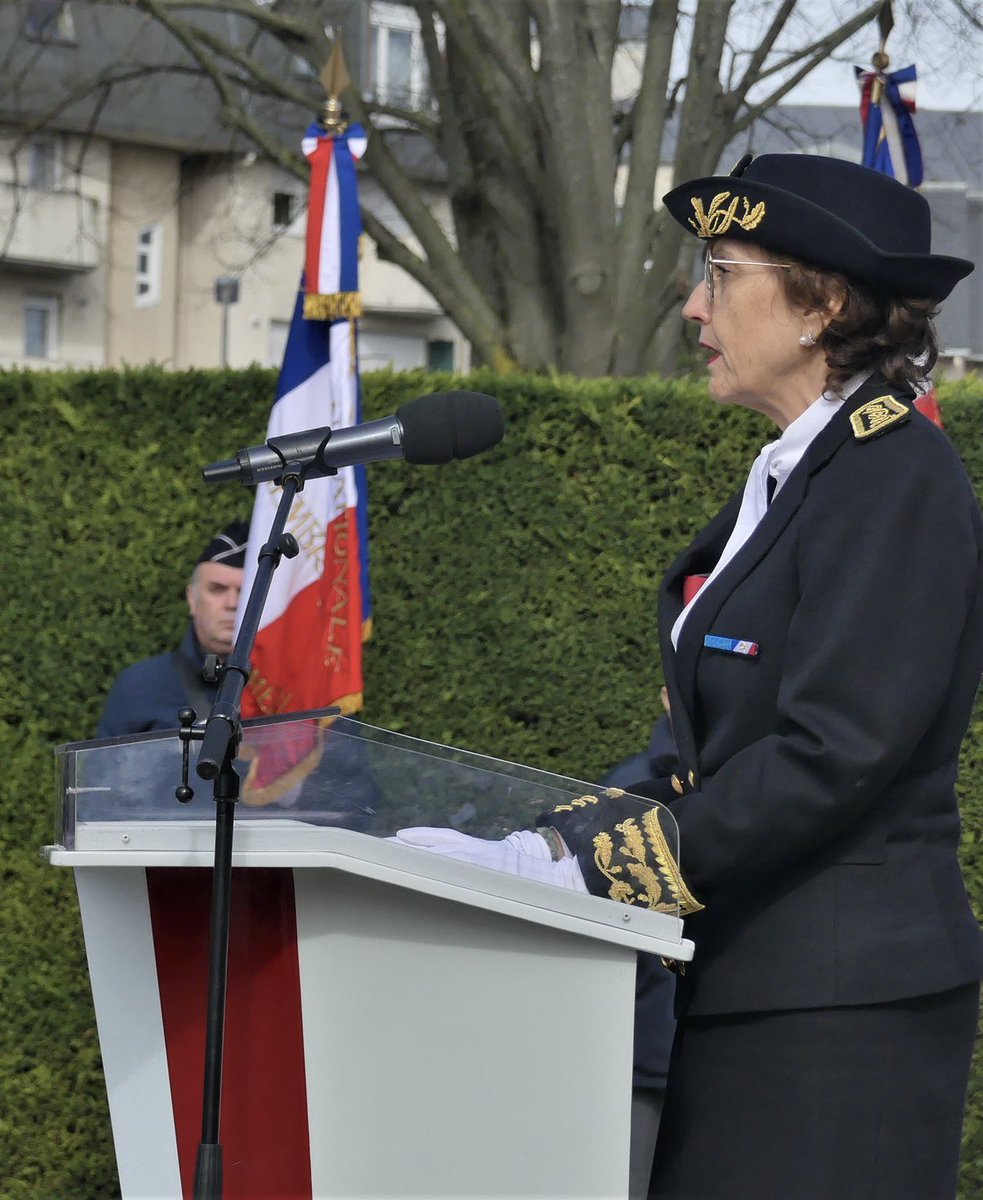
{"points": [[878, 416]]}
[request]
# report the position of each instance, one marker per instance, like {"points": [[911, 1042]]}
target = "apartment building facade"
{"points": [[153, 234]]}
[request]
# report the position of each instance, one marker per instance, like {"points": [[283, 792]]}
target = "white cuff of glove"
{"points": [[522, 853]]}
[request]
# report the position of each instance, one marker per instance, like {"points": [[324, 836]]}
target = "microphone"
{"points": [[428, 430]]}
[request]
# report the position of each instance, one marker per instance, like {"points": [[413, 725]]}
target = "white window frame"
{"points": [[150, 241], [49, 306], [383, 18]]}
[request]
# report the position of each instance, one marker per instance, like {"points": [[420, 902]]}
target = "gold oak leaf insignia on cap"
{"points": [[878, 416], [717, 220]]}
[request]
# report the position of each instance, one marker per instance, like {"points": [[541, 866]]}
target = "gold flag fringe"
{"points": [[336, 307]]}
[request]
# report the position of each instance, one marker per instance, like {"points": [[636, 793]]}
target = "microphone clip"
{"points": [[285, 447]]}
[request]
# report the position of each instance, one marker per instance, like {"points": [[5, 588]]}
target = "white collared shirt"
{"points": [[777, 459]]}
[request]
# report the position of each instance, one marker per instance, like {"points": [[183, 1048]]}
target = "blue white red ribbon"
{"points": [[731, 645], [887, 108], [334, 223]]}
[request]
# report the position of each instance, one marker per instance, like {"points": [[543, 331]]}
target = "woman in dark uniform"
{"points": [[821, 681]]}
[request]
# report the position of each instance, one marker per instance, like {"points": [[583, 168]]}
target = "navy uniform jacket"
{"points": [[150, 693], [818, 824]]}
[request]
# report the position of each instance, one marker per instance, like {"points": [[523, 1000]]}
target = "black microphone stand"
{"points": [[219, 747]]}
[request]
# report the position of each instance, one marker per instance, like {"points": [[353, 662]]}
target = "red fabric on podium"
{"points": [[264, 1127]]}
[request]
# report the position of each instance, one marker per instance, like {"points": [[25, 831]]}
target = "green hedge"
{"points": [[515, 601]]}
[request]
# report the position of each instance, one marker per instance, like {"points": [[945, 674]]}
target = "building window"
{"points": [[149, 246], [401, 351], [397, 62], [284, 209], [50, 21], [41, 327], [43, 163], [277, 342], [440, 356]]}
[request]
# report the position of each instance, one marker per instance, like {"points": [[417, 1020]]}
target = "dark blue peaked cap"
{"points": [[229, 546], [828, 212]]}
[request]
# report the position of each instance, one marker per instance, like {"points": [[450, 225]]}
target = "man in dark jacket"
{"points": [[149, 694], [337, 788]]}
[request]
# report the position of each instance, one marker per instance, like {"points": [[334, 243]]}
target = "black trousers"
{"points": [[860, 1103]]}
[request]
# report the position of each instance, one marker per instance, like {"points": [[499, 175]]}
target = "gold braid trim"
{"points": [[580, 802], [639, 869], [667, 864], [619, 890], [333, 307]]}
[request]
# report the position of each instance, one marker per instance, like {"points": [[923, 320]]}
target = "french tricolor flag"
{"points": [[887, 108], [308, 652]]}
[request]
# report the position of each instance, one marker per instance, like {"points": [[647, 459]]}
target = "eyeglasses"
{"points": [[710, 262]]}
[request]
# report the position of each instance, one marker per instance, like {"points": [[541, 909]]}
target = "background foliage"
{"points": [[515, 615]]}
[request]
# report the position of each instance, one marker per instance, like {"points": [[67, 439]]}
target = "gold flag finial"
{"points": [[880, 59], [335, 79]]}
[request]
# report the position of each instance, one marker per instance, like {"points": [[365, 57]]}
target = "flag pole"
{"points": [[880, 58], [334, 78]]}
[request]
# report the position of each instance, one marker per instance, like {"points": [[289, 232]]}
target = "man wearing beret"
{"points": [[149, 694]]}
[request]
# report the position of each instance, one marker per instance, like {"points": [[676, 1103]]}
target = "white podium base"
{"points": [[398, 1024]]}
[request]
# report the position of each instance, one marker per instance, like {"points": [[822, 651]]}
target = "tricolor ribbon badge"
{"points": [[731, 645]]}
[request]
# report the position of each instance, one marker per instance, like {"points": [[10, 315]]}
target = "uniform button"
{"points": [[692, 779], [677, 784]]}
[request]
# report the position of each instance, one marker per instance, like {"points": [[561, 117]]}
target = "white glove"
{"points": [[522, 853]]}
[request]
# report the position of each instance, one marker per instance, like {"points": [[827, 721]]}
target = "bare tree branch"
{"points": [[817, 53]]}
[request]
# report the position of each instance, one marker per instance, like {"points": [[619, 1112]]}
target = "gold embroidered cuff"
{"points": [[650, 876]]}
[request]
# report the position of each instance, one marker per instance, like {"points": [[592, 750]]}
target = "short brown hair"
{"points": [[894, 335]]}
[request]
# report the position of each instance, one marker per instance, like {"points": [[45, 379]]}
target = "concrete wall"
{"points": [[396, 305], [227, 221], [146, 187]]}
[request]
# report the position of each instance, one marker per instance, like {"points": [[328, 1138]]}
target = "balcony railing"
{"points": [[57, 230]]}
